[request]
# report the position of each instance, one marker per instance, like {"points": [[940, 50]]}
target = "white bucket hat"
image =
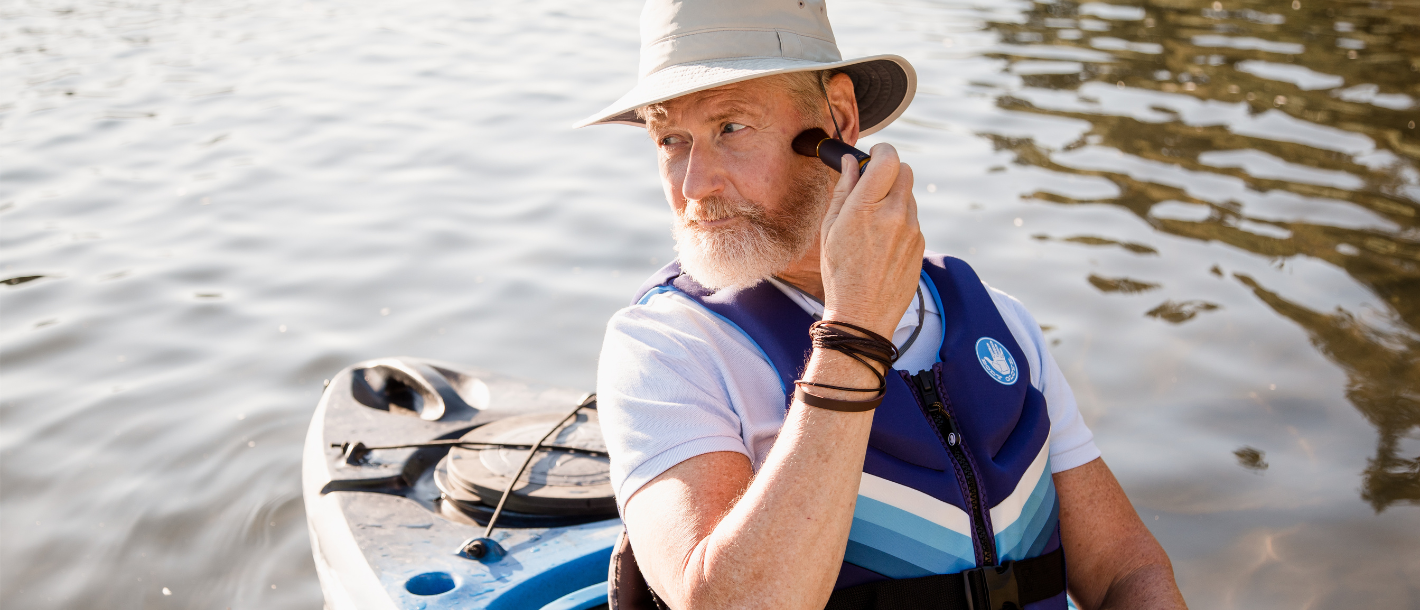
{"points": [[694, 45]]}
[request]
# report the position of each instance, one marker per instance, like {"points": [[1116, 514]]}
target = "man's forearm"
{"points": [[782, 543]]}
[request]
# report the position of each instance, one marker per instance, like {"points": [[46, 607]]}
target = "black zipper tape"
{"points": [[951, 433]]}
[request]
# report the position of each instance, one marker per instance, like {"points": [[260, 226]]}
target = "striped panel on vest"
{"points": [[912, 517], [900, 532], [1025, 521]]}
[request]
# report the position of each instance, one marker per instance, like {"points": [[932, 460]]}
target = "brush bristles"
{"points": [[807, 143]]}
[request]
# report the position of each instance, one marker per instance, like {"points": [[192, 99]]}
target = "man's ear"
{"points": [[845, 107]]}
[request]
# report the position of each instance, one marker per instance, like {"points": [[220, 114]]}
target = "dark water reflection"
{"points": [[1317, 99]]}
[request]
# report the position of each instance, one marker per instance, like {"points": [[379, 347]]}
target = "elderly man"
{"points": [[926, 454]]}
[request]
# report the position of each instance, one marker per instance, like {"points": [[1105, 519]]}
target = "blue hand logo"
{"points": [[996, 360]]}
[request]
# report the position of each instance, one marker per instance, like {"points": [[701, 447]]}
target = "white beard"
{"points": [[738, 256], [763, 246]]}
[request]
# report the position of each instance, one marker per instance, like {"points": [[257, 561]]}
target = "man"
{"points": [[973, 485]]}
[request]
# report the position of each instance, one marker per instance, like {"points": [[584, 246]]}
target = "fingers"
{"points": [[846, 181], [882, 174], [872, 243], [903, 185]]}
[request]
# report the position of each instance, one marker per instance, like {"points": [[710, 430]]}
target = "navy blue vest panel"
{"points": [[916, 514], [1000, 422]]}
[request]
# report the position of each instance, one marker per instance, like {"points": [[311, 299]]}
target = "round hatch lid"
{"points": [[557, 482]]}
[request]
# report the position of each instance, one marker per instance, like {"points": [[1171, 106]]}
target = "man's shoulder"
{"points": [[1007, 304], [658, 282], [666, 310], [668, 318], [1010, 308]]}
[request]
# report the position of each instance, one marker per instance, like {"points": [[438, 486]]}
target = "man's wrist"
{"points": [[829, 367], [875, 323]]}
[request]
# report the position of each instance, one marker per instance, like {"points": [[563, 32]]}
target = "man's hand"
{"points": [[872, 245]]}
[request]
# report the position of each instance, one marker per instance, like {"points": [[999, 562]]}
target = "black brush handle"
{"points": [[831, 151], [817, 143]]}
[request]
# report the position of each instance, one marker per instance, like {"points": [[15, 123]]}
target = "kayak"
{"points": [[406, 463]]}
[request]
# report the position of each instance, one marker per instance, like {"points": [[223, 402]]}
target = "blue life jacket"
{"points": [[957, 472]]}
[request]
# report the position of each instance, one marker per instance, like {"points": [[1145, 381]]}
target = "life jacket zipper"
{"points": [[952, 435]]}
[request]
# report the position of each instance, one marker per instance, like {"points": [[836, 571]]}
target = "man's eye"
{"points": [[671, 140], [732, 127]]}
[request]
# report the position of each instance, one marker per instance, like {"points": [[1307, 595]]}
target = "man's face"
{"points": [[747, 207]]}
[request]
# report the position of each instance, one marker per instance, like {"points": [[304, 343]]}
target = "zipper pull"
{"points": [[939, 413], [948, 425]]}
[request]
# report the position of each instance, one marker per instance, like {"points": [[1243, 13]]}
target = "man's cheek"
{"points": [[671, 188], [672, 181]]}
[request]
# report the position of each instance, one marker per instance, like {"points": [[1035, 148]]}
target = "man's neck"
{"points": [[806, 273]]}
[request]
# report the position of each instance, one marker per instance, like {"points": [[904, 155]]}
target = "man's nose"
{"points": [[705, 173]]}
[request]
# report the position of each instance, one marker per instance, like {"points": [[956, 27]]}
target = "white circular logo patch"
{"points": [[996, 360]]}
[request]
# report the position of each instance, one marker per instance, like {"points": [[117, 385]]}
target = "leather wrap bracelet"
{"points": [[831, 335], [833, 404]]}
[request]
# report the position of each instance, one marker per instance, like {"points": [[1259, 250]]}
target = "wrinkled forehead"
{"points": [[753, 99]]}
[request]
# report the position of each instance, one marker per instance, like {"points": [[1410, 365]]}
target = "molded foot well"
{"points": [[430, 583]]}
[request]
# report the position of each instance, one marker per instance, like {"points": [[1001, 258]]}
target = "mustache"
{"points": [[718, 207]]}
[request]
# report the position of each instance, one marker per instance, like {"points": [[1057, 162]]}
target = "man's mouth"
{"points": [[715, 223]]}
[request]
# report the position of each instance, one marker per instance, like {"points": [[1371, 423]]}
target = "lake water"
{"points": [[208, 208]]}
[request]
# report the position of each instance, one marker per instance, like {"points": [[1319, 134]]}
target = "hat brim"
{"points": [[883, 84]]}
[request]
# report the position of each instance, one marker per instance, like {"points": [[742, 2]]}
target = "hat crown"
{"points": [[675, 32]]}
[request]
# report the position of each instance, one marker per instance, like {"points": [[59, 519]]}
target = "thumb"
{"points": [[846, 181]]}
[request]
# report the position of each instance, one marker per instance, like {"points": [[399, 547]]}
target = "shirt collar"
{"points": [[905, 326]]}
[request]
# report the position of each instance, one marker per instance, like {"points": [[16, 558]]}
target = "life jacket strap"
{"points": [[1009, 586], [626, 586]]}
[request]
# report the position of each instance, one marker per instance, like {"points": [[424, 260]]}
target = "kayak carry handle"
{"points": [[432, 395]]}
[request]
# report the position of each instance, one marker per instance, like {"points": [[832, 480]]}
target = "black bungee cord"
{"points": [[356, 452], [487, 550]]}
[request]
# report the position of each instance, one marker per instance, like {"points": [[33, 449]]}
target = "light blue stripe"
{"points": [[1030, 547], [1025, 530], [660, 289], [868, 557], [1041, 519], [653, 292], [908, 524], [1045, 533], [1044, 519], [1012, 535], [915, 552], [941, 311]]}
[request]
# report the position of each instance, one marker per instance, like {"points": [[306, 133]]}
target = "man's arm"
{"points": [[709, 533], [1113, 560]]}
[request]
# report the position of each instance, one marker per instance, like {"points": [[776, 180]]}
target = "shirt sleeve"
{"points": [[661, 394], [1072, 444]]}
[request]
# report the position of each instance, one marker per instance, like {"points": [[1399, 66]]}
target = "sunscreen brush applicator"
{"points": [[817, 143]]}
